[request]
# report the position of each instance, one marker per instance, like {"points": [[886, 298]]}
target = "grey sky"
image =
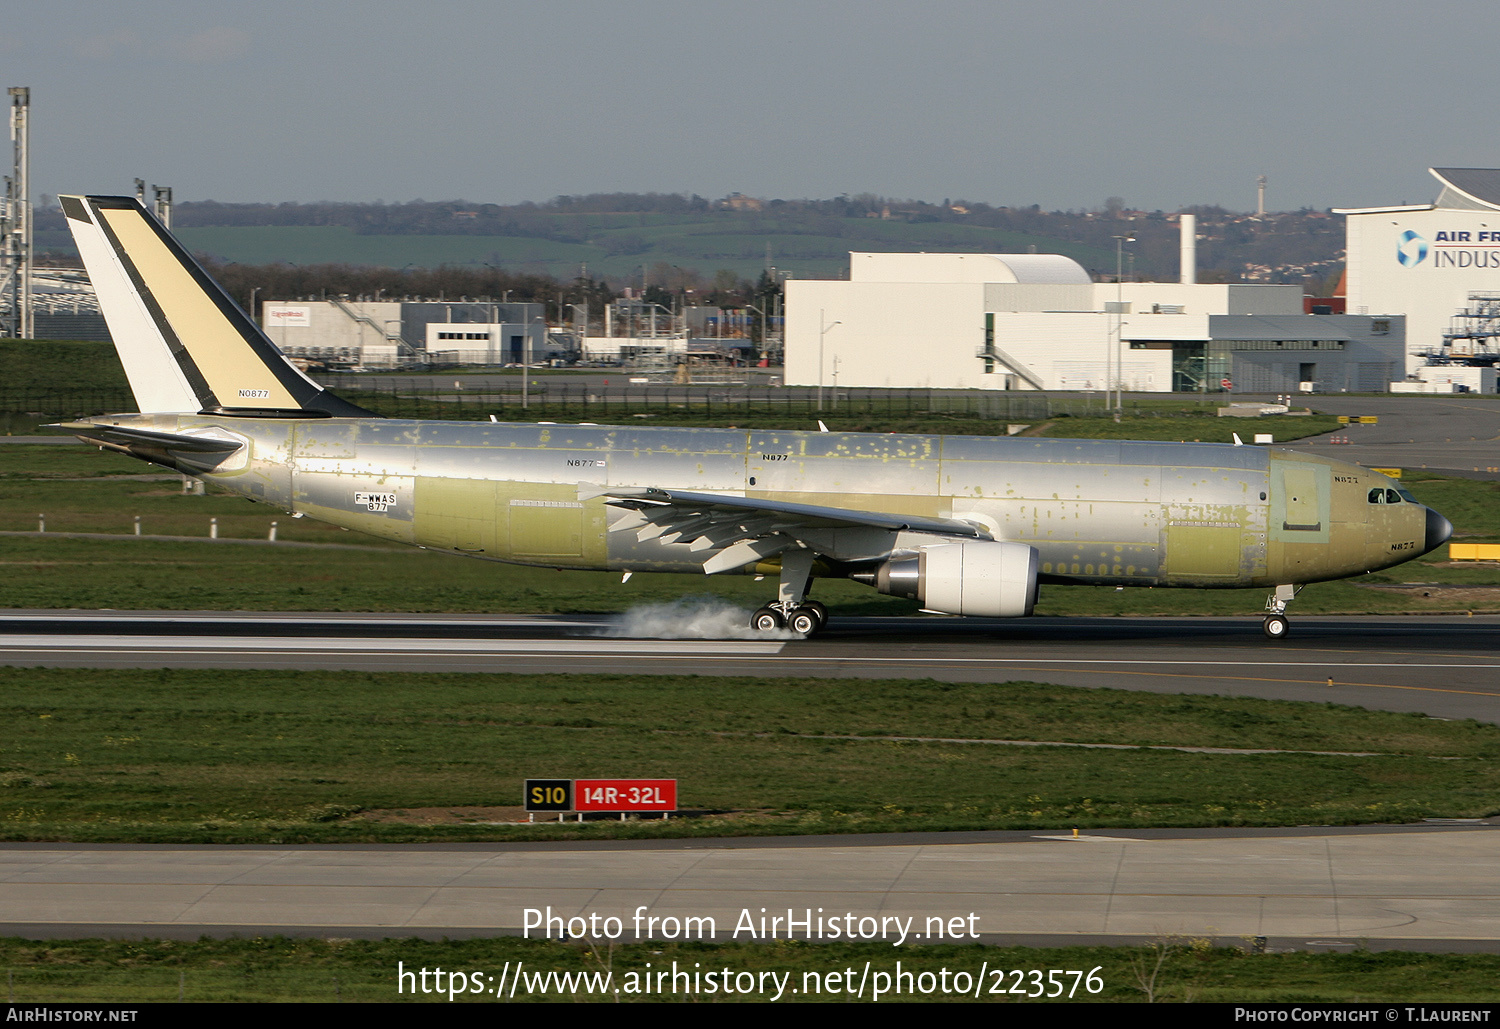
{"points": [[1062, 104]]}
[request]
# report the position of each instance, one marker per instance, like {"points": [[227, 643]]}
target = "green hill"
{"points": [[615, 247], [621, 236]]}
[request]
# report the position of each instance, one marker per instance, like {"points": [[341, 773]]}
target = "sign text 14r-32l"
{"points": [[601, 795]]}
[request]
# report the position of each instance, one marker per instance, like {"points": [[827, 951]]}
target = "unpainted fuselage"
{"points": [[1098, 512]]}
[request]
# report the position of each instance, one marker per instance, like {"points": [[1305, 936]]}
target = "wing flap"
{"points": [[731, 532], [811, 515]]}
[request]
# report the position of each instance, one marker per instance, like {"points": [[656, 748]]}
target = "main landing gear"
{"points": [[804, 619], [1276, 626], [791, 609]]}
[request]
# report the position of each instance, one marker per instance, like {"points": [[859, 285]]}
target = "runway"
{"points": [[1445, 667], [1423, 887]]}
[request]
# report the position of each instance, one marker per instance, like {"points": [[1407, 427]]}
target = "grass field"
{"points": [[194, 756], [57, 364], [279, 969]]}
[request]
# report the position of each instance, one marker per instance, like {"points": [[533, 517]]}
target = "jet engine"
{"points": [[987, 578]]}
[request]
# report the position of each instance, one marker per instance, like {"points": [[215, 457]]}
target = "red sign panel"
{"points": [[625, 795]]}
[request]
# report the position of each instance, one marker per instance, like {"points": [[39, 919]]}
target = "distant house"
{"points": [[740, 202]]}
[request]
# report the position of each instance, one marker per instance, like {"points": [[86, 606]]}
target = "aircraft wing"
{"points": [[735, 531]]}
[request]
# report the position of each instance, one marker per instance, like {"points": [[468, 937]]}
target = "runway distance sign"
{"points": [[625, 795], [549, 794]]}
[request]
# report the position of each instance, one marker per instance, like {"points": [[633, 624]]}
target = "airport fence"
{"points": [[581, 402], [438, 399], [63, 402]]}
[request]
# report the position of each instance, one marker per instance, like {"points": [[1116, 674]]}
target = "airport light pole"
{"points": [[822, 331], [1120, 242], [526, 363], [765, 327]]}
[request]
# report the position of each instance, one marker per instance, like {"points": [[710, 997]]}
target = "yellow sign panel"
{"points": [[1474, 551], [1390, 473]]}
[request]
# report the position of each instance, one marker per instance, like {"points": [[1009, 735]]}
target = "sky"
{"points": [[1165, 104]]}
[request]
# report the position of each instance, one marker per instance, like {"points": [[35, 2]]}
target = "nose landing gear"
{"points": [[1276, 625]]}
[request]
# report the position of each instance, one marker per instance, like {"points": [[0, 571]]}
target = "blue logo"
{"points": [[1412, 249]]}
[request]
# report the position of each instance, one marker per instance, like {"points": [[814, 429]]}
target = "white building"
{"points": [[1424, 260], [383, 333], [665, 350], [487, 342], [350, 334], [1036, 321]]}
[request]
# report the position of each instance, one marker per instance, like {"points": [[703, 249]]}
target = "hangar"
{"points": [[1427, 260], [1038, 322]]}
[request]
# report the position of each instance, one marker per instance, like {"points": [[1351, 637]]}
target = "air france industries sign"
{"points": [[1456, 248]]}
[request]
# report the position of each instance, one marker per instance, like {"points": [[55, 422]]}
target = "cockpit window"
{"points": [[1379, 495]]}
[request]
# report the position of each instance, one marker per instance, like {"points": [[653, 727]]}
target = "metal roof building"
{"points": [[1037, 322], [1424, 260]]}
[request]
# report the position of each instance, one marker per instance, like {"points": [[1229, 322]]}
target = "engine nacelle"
{"points": [[987, 578]]}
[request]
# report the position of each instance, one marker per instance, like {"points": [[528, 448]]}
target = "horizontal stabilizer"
{"points": [[125, 436]]}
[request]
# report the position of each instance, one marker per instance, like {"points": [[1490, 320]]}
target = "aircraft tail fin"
{"points": [[185, 344]]}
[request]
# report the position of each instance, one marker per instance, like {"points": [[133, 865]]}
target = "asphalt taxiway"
{"points": [[1452, 435], [1424, 888]]}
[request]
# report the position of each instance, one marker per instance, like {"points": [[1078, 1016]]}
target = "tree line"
{"points": [[670, 286]]}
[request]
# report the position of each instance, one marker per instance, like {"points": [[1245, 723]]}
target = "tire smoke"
{"points": [[691, 618]]}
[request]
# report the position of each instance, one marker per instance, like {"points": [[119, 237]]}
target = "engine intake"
{"points": [[987, 578]]}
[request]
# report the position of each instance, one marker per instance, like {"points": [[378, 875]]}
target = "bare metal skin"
{"points": [[1097, 512]]}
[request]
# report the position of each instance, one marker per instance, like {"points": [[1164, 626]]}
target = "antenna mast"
{"points": [[15, 223]]}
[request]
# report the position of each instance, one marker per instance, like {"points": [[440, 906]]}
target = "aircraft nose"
{"points": [[1438, 530]]}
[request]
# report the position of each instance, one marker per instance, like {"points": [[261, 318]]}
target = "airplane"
{"points": [[965, 525]]}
